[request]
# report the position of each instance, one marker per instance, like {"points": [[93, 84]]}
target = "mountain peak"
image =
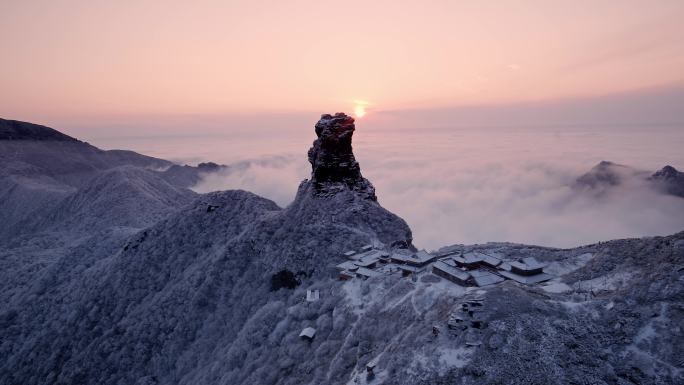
{"points": [[666, 172], [603, 175], [669, 180], [17, 130], [333, 165]]}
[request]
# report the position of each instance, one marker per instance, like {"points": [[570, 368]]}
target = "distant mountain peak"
{"points": [[333, 165], [18, 130], [669, 180], [209, 166], [666, 172], [604, 164], [604, 174]]}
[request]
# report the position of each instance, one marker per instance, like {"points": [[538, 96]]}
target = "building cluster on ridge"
{"points": [[473, 268]]}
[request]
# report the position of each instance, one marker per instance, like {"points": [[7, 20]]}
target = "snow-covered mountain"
{"points": [[44, 152], [124, 196], [49, 180], [219, 291]]}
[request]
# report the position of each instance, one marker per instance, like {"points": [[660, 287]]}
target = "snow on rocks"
{"points": [[334, 167], [555, 286]]}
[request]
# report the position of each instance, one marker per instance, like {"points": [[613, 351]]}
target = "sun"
{"points": [[359, 110]]}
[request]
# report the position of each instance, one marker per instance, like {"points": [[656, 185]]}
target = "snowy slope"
{"points": [[65, 200], [21, 197], [188, 301], [35, 175], [178, 288], [50, 180], [71, 163], [125, 196]]}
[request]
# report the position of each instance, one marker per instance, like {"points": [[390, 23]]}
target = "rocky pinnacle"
{"points": [[332, 159]]}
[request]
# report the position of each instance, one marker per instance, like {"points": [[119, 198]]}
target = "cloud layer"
{"points": [[474, 186]]}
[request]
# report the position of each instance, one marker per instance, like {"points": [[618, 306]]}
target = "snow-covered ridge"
{"points": [[50, 181]]}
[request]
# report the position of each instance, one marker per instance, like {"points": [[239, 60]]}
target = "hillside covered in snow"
{"points": [[113, 272], [51, 182]]}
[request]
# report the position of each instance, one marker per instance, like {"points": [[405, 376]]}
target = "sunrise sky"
{"points": [[79, 61], [473, 117]]}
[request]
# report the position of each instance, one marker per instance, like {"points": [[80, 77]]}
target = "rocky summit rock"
{"points": [[334, 167]]}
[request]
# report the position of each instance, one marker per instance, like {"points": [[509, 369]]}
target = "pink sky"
{"points": [[96, 60], [480, 113]]}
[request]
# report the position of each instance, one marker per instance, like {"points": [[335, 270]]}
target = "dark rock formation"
{"points": [[332, 159], [284, 279]]}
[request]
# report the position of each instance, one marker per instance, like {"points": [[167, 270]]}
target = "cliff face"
{"points": [[333, 164]]}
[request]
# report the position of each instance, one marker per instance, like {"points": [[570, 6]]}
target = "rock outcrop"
{"points": [[334, 167], [335, 210]]}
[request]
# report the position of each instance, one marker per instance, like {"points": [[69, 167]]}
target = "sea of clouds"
{"points": [[457, 175], [488, 184]]}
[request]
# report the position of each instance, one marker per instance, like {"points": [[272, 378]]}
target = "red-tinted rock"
{"points": [[332, 159]]}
